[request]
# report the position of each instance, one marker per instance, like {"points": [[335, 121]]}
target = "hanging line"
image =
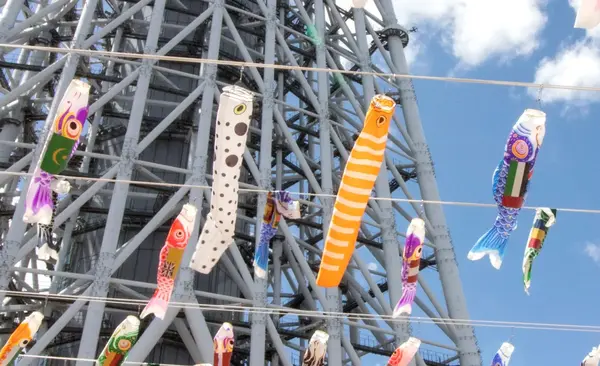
{"points": [[539, 97], [299, 194], [512, 335], [325, 314], [95, 53]]}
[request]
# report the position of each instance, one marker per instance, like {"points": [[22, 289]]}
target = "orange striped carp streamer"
{"points": [[20, 338], [359, 177]]}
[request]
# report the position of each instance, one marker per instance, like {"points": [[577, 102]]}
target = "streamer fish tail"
{"points": [[493, 242], [211, 234], [404, 306], [159, 303], [38, 204], [46, 248], [360, 173]]}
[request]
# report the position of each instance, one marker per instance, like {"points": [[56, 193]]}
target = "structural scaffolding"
{"points": [[153, 121]]}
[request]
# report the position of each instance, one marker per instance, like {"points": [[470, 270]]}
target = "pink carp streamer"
{"points": [[169, 262]]}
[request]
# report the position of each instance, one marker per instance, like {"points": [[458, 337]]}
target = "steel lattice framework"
{"points": [[153, 121]]}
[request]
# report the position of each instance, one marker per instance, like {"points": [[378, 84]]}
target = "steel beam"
{"points": [[446, 262], [94, 317], [258, 336]]}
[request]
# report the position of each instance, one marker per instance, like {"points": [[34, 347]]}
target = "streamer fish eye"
{"points": [[239, 109]]}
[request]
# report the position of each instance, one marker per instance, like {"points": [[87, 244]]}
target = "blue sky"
{"points": [[467, 126]]}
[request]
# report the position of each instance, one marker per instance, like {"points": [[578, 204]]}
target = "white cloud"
{"points": [[473, 31], [577, 65], [477, 30], [593, 251], [372, 266]]}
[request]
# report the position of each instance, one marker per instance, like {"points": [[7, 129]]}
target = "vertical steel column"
{"points": [[17, 228], [332, 295], [445, 257], [103, 271], [184, 281], [277, 253], [390, 243], [199, 329], [258, 332], [277, 243]]}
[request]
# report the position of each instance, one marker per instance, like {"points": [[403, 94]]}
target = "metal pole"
{"points": [[446, 262], [258, 336], [104, 264], [16, 230], [8, 17], [388, 229]]}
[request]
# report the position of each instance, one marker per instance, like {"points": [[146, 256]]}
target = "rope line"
{"points": [[322, 314], [299, 194], [61, 358], [386, 76]]}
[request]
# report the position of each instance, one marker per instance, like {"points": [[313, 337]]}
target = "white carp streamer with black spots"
{"points": [[231, 132]]}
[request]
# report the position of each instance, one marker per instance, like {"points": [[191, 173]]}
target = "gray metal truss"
{"points": [[153, 121]]}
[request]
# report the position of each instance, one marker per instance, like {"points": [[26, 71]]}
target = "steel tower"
{"points": [[153, 121]]}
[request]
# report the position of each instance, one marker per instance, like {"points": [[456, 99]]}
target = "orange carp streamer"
{"points": [[359, 177]]}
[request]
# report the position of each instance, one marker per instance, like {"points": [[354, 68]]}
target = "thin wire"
{"points": [[60, 358], [300, 194], [324, 314], [92, 53]]}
